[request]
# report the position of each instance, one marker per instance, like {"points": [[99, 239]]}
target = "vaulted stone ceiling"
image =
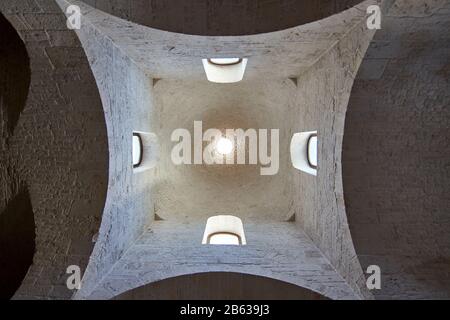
{"points": [[149, 77], [274, 55], [223, 189], [151, 80]]}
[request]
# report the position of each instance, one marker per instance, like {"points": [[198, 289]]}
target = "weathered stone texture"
{"points": [[59, 148], [396, 156], [394, 165], [222, 18], [117, 49], [277, 250], [220, 286], [322, 98], [127, 97], [276, 55]]}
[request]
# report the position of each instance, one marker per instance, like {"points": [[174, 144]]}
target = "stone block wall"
{"points": [[222, 18], [322, 97], [396, 154], [59, 148], [279, 251], [126, 94]]}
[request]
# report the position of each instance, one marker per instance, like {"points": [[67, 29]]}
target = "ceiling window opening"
{"points": [[224, 61], [312, 151], [137, 150], [304, 151], [224, 230], [224, 70], [145, 151], [224, 238]]}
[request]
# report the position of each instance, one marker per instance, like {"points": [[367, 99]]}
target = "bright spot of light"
{"points": [[224, 146]]}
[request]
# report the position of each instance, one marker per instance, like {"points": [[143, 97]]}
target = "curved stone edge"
{"points": [[67, 215], [175, 55], [126, 94], [279, 251], [213, 18], [324, 218]]}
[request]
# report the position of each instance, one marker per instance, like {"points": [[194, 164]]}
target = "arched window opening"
{"points": [[303, 149], [224, 230], [137, 150], [224, 238], [224, 70], [224, 61], [145, 151], [312, 151]]}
